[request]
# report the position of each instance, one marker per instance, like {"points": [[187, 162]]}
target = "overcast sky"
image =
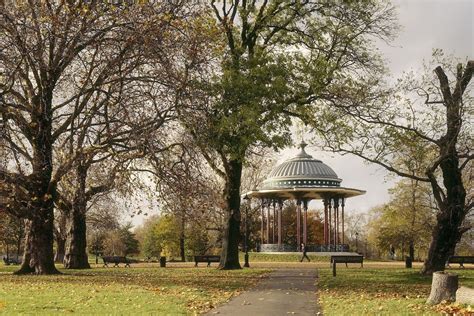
{"points": [[426, 24]]}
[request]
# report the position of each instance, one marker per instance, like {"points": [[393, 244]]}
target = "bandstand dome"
{"points": [[302, 178], [302, 171]]}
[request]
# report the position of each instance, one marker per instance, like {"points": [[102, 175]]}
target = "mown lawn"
{"points": [[285, 257], [383, 291], [162, 291]]}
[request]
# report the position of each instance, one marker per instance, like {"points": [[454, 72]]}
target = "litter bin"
{"points": [[408, 262], [162, 262]]}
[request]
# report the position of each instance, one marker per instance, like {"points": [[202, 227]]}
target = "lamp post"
{"points": [[357, 242], [247, 202]]}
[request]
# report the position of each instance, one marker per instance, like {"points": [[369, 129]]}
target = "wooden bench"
{"points": [[206, 258], [116, 260], [348, 259], [10, 261], [461, 260]]}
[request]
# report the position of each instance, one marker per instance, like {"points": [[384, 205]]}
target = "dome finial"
{"points": [[303, 144], [303, 153]]}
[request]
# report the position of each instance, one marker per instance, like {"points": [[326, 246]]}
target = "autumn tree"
{"points": [[103, 217], [427, 114], [188, 191], [61, 64], [127, 117], [12, 233], [406, 220], [274, 59], [149, 244]]}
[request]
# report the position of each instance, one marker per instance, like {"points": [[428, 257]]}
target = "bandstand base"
{"points": [[275, 248]]}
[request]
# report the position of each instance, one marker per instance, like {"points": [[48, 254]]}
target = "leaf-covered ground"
{"points": [[380, 288], [383, 291], [144, 290]]}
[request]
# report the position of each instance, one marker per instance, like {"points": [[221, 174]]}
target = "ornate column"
{"points": [[336, 220], [268, 222], [298, 224], [325, 201], [342, 216], [305, 221], [274, 221], [329, 222], [280, 210], [262, 241]]}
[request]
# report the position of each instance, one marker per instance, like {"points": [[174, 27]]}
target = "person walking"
{"points": [[391, 252], [304, 250]]}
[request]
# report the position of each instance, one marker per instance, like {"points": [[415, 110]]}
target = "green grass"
{"points": [[170, 291], [269, 257], [379, 291]]}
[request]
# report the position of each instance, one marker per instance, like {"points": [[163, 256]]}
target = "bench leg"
{"points": [[461, 265], [334, 269], [127, 265], [195, 264], [208, 263], [346, 265]]}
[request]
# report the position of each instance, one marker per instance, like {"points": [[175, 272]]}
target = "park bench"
{"points": [[346, 259], [206, 258], [461, 260], [10, 261], [116, 260]]}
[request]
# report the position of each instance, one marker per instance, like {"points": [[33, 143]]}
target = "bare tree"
{"points": [[425, 118], [59, 63]]}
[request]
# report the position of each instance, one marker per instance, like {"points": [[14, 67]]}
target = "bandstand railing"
{"points": [[310, 248]]}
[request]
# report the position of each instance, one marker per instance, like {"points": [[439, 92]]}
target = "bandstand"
{"points": [[302, 178]]}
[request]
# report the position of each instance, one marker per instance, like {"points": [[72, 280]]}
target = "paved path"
{"points": [[284, 292]]}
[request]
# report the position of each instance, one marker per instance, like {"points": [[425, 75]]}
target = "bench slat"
{"points": [[461, 260], [206, 258], [350, 259]]}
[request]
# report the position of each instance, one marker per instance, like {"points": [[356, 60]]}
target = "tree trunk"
{"points": [[443, 242], [447, 232], [230, 240], [38, 255], [25, 264], [60, 249], [18, 243], [181, 239], [443, 288], [411, 250], [452, 204], [76, 252]]}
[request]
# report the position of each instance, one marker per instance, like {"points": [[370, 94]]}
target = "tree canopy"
{"points": [[420, 130]]}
